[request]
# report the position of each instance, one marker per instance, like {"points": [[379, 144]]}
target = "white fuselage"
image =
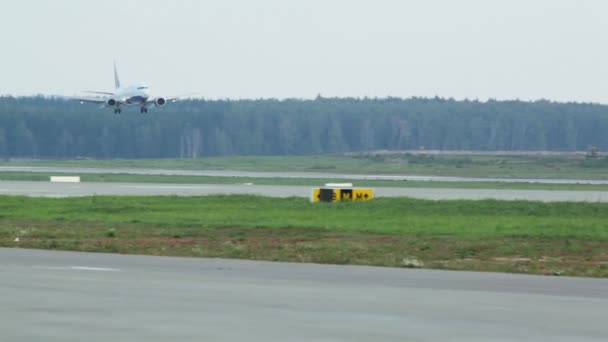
{"points": [[135, 94]]}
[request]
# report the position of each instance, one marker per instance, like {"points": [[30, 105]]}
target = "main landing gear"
{"points": [[143, 110]]}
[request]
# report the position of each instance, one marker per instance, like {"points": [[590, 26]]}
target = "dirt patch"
{"points": [[535, 255], [511, 259]]}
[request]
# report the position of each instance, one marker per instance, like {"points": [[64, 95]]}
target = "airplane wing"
{"points": [[184, 96], [97, 99], [98, 92], [89, 99], [153, 100]]}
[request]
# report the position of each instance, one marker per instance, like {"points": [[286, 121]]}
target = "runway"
{"points": [[48, 189], [68, 296], [276, 174]]}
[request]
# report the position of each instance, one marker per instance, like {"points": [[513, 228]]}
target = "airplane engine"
{"points": [[111, 103], [160, 102]]}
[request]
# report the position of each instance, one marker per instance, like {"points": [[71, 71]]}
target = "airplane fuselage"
{"points": [[135, 94]]}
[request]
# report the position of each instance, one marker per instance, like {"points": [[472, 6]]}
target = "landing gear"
{"points": [[143, 110], [117, 111]]}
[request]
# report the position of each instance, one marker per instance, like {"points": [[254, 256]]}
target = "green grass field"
{"points": [[531, 166], [513, 236]]}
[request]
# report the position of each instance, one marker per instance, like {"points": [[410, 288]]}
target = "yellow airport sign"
{"points": [[341, 194]]}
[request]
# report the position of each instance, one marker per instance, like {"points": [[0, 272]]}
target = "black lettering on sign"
{"points": [[346, 194], [359, 196], [326, 195]]}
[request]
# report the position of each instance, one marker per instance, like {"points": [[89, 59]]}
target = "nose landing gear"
{"points": [[117, 111]]}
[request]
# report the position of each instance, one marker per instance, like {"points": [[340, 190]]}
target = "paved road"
{"points": [[309, 175], [65, 296], [84, 189]]}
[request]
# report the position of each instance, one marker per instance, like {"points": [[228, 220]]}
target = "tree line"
{"points": [[41, 127]]}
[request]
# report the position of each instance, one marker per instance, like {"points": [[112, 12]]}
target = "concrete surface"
{"points": [[85, 189], [310, 175], [68, 296]]}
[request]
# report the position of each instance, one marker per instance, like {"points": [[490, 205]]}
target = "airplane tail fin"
{"points": [[116, 80]]}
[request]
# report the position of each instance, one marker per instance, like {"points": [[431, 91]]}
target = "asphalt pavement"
{"points": [[282, 174], [70, 296], [50, 189]]}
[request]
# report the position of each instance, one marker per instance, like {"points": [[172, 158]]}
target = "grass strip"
{"points": [[467, 165], [511, 236]]}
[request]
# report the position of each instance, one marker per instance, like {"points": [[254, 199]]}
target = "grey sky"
{"points": [[525, 49]]}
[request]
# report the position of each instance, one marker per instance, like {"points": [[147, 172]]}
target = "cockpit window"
{"points": [[140, 88]]}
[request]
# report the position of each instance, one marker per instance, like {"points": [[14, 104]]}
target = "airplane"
{"points": [[137, 94]]}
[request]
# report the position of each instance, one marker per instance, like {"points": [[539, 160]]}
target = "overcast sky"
{"points": [[526, 49]]}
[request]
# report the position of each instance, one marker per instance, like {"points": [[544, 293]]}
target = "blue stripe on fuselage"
{"points": [[136, 100]]}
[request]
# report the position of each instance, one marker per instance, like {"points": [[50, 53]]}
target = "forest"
{"points": [[40, 127]]}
